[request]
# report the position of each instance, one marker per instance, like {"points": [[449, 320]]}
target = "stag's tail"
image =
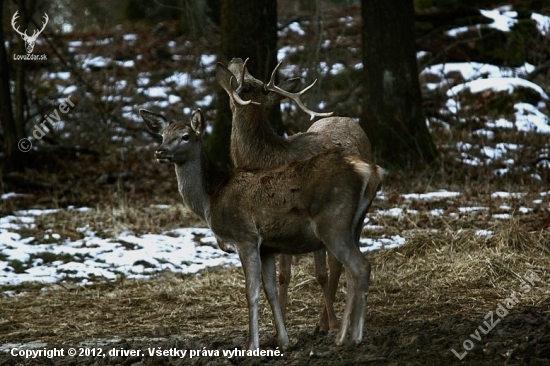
{"points": [[372, 176]]}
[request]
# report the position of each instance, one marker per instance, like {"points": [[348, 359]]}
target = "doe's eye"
{"points": [[185, 137]]}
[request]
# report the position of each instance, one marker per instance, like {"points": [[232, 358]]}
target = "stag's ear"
{"points": [[197, 122], [290, 85], [156, 123], [225, 78]]}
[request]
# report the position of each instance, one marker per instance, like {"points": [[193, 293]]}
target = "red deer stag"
{"points": [[255, 145], [297, 208]]}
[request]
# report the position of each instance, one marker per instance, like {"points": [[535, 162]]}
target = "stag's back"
{"points": [[342, 132], [280, 205]]}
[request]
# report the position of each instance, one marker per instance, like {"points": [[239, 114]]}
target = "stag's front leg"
{"points": [[270, 287], [252, 267]]}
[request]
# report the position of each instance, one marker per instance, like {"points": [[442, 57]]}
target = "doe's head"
{"points": [[181, 141]]}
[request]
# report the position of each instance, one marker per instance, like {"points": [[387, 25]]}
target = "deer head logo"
{"points": [[29, 40]]}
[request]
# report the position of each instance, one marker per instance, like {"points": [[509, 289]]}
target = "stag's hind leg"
{"points": [[340, 242], [358, 278], [329, 284]]}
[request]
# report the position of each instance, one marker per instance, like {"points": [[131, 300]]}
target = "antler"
{"points": [[293, 96], [46, 18], [235, 93], [35, 33], [13, 19]]}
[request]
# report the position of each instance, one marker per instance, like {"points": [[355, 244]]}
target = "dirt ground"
{"points": [[417, 314], [521, 338]]}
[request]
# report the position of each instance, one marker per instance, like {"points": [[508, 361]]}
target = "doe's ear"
{"points": [[155, 122], [225, 77], [197, 122]]}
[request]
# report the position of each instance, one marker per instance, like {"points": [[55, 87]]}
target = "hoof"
{"points": [[325, 327], [283, 345], [271, 341], [347, 343]]}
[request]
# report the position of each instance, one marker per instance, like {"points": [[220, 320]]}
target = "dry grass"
{"points": [[432, 276], [464, 270], [108, 221]]}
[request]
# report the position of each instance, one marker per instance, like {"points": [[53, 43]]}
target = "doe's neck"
{"points": [[197, 180]]}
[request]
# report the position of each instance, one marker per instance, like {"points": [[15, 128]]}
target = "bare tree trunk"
{"points": [[195, 20], [13, 126], [392, 101], [249, 30]]}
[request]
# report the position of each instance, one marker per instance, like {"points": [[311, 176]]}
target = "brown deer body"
{"points": [[255, 145], [315, 202]]}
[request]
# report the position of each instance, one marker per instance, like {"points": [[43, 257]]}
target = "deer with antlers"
{"points": [[255, 145], [298, 207], [29, 40]]}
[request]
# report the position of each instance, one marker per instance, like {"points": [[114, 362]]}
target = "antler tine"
{"points": [[13, 19], [36, 32], [273, 74], [46, 18], [307, 87], [294, 96], [236, 96], [235, 93], [243, 71]]}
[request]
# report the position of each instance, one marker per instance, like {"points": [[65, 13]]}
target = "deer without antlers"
{"points": [[29, 40], [255, 145], [315, 202]]}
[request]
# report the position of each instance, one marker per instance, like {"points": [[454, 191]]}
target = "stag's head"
{"points": [[29, 40], [181, 141], [243, 89]]}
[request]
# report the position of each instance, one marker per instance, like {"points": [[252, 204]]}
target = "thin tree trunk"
{"points": [[14, 158], [249, 30], [392, 101]]}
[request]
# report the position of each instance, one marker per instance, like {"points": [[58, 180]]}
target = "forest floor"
{"points": [[460, 251], [487, 299]]}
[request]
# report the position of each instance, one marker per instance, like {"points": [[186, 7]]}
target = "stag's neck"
{"points": [[253, 139], [197, 180]]}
